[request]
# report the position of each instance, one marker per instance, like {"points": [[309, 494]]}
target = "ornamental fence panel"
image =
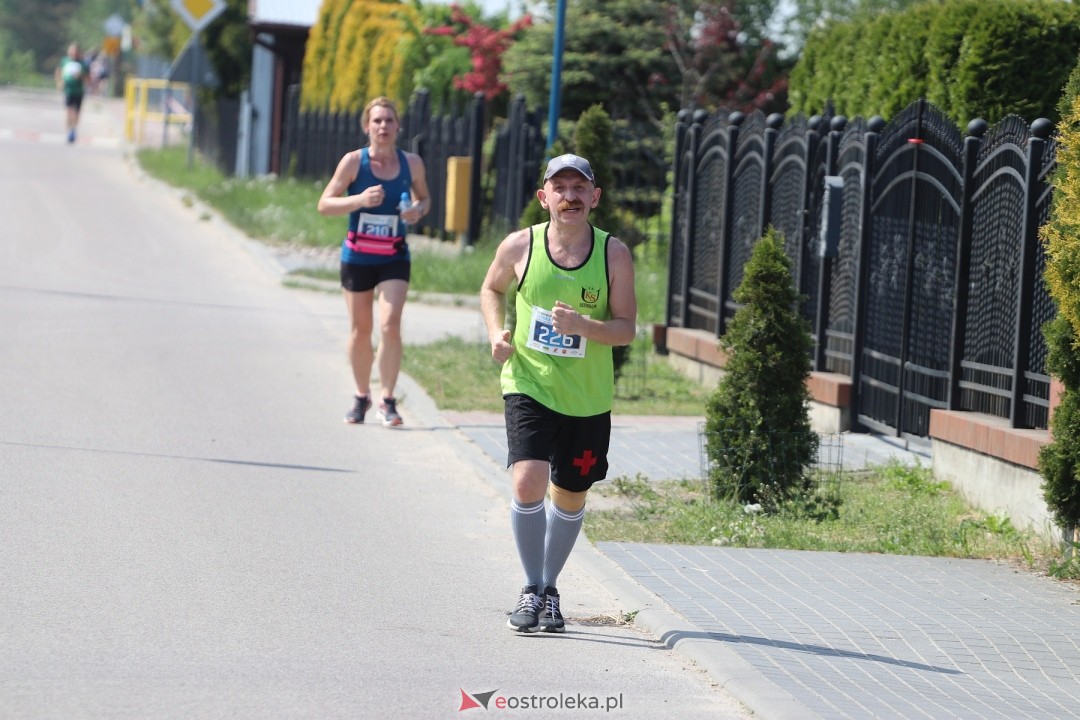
{"points": [[925, 289]]}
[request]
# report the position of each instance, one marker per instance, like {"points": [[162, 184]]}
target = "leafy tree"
{"points": [[15, 67], [40, 27], [718, 64], [486, 45], [808, 15], [432, 61], [757, 424], [227, 41], [632, 54], [36, 33], [159, 31], [612, 51]]}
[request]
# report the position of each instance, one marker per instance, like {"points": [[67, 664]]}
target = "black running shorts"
{"points": [[576, 447], [361, 278]]}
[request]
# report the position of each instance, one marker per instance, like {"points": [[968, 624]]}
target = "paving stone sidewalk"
{"points": [[802, 635], [844, 635]]}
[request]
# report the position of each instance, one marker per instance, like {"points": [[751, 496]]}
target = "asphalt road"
{"points": [[187, 528]]}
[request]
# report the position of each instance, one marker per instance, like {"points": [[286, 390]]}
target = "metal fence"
{"points": [[930, 293]]}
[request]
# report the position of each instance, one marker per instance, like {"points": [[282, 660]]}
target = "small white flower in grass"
{"points": [[752, 509]]}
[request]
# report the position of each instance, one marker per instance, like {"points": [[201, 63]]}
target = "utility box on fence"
{"points": [[458, 174]]}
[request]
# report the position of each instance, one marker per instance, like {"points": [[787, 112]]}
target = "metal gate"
{"points": [[916, 195]]}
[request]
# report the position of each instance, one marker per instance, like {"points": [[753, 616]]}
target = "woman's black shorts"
{"points": [[361, 278]]}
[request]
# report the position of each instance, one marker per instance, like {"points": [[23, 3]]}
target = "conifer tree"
{"points": [[355, 52], [1059, 461], [757, 424]]}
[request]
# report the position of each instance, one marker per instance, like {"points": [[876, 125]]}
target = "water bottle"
{"points": [[403, 205]]}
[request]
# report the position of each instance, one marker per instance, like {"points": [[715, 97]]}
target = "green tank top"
{"points": [[568, 374]]}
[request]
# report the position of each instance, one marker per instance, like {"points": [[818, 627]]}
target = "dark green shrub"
{"points": [[594, 139], [947, 28], [1059, 462], [757, 426], [971, 58], [1015, 58]]}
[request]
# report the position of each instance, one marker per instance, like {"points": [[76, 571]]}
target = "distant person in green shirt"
{"points": [[71, 77], [574, 301]]}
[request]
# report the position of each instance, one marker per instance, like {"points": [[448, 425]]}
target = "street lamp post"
{"points": [[555, 100]]}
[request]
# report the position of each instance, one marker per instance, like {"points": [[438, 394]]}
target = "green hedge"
{"points": [[971, 58], [357, 50], [1059, 462]]}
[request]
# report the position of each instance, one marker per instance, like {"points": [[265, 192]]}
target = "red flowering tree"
{"points": [[486, 45], [719, 65]]}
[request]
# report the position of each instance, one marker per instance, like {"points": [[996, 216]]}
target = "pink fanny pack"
{"points": [[374, 244]]}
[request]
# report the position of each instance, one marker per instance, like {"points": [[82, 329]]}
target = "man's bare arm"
{"points": [[501, 273]]}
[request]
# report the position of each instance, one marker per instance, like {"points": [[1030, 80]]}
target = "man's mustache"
{"points": [[567, 205]]}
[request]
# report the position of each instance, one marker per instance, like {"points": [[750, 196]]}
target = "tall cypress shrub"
{"points": [[1059, 461], [356, 52], [757, 423], [594, 140]]}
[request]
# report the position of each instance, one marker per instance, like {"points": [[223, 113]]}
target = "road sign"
{"points": [[198, 13], [192, 61]]}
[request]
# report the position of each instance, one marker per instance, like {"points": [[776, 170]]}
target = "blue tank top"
{"points": [[393, 188]]}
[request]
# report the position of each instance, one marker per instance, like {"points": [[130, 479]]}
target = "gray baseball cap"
{"points": [[571, 162]]}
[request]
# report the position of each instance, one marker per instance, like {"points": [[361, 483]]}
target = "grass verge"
{"points": [[891, 509], [282, 211]]}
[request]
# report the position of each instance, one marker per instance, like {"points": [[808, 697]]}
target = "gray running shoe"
{"points": [[388, 412], [361, 405], [551, 619], [525, 617]]}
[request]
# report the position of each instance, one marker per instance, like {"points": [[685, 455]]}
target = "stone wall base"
{"points": [[995, 486]]}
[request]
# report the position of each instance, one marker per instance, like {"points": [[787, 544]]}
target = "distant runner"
{"points": [[71, 77]]}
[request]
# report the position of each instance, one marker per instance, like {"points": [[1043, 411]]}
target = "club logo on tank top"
{"points": [[589, 297]]}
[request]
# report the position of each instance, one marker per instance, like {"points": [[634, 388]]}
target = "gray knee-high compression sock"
{"points": [[563, 529], [529, 523]]}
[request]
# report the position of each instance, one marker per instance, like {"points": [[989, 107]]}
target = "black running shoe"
{"points": [[361, 405], [551, 619], [388, 412], [525, 617]]}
